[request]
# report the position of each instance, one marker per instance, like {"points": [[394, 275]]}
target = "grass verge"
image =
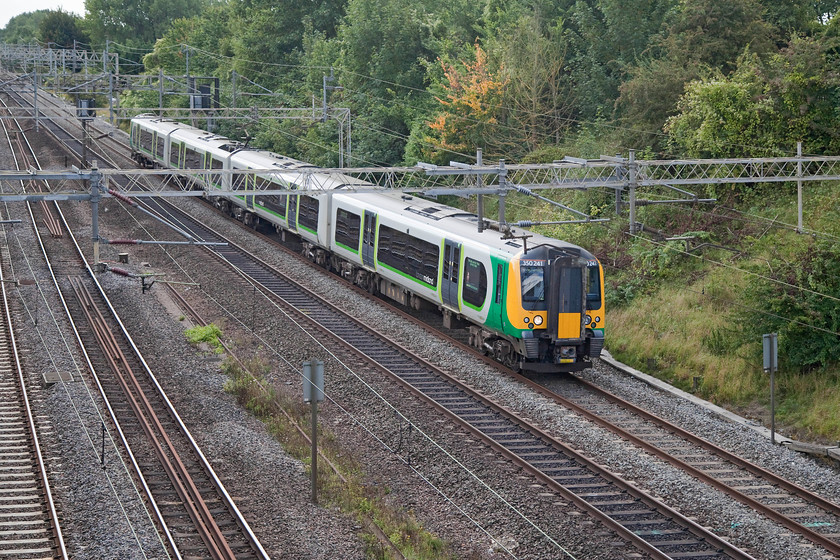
{"points": [[689, 336], [343, 487]]}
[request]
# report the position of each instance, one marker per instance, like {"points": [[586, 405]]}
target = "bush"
{"points": [[801, 305], [209, 335]]}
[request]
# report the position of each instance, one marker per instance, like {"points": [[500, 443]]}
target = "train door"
{"points": [[499, 291], [369, 239], [159, 144], [250, 184], [566, 299], [292, 214], [451, 269]]}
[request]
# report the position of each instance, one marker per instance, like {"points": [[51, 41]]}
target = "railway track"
{"points": [[181, 482], [193, 510], [29, 518], [653, 527], [546, 458], [785, 502]]}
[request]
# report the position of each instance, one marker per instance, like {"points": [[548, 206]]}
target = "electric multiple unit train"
{"points": [[532, 303]]}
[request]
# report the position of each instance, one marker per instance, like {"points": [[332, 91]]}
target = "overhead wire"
{"points": [[427, 92], [546, 135], [392, 101], [514, 203]]}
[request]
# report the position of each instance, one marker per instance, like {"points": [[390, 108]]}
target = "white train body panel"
{"points": [[408, 248], [391, 212]]}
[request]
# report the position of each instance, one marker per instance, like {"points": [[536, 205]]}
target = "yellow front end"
{"points": [[568, 325]]}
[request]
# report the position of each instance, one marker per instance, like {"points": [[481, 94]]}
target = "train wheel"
{"points": [[511, 360]]}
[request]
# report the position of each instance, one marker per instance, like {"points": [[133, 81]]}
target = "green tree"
{"points": [[607, 38], [136, 24], [699, 38], [206, 37], [715, 33], [795, 16], [23, 28], [763, 108], [386, 47], [720, 116], [61, 29], [501, 15], [277, 61], [807, 321]]}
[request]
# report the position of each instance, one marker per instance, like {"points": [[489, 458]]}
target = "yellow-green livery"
{"points": [[532, 302]]}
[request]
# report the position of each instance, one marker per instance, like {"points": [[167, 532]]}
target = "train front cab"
{"points": [[559, 311]]}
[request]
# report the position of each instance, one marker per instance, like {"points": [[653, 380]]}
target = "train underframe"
{"points": [[142, 160]]}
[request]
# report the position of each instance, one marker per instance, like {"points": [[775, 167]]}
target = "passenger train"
{"points": [[533, 303]]}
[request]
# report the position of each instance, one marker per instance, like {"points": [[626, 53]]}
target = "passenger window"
{"points": [[475, 282], [174, 154], [159, 147], [408, 254], [348, 229], [308, 213]]}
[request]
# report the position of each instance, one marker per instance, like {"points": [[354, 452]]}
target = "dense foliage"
{"points": [[23, 28], [796, 306], [63, 30], [435, 80]]}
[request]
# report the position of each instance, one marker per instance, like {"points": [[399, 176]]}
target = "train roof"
{"points": [[457, 223], [287, 171], [180, 132], [157, 123], [451, 222], [261, 159], [220, 145]]}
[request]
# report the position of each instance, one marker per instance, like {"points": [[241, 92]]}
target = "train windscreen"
{"points": [[593, 295], [533, 283]]}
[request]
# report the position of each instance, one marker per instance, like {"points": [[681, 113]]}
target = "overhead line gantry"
{"points": [[623, 175]]}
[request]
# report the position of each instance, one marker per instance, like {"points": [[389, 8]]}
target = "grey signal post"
{"points": [[313, 393], [771, 362]]}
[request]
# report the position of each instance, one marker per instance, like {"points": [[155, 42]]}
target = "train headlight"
{"points": [[597, 319], [587, 320], [538, 320], [527, 320]]}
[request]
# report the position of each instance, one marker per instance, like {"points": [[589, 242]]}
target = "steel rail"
{"points": [[155, 432], [225, 255], [205, 465], [30, 422], [829, 544], [33, 432], [83, 350]]}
